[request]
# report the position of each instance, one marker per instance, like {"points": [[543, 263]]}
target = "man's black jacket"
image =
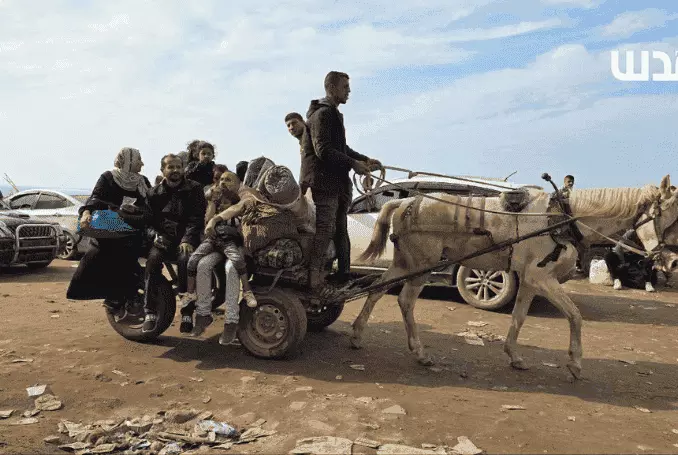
{"points": [[326, 159], [179, 213]]}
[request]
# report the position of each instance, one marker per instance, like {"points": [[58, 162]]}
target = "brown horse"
{"points": [[425, 229]]}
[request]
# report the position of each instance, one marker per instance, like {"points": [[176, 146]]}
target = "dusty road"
{"points": [[618, 408]]}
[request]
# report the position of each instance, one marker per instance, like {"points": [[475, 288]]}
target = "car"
{"points": [[53, 206], [26, 240], [484, 289]]}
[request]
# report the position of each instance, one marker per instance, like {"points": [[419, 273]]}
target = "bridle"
{"points": [[655, 218]]}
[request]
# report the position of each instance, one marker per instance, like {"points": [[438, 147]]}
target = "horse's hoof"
{"points": [[519, 365], [426, 361], [575, 370], [355, 343]]}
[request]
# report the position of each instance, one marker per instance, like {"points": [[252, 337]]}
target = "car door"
{"points": [[54, 207], [362, 217]]}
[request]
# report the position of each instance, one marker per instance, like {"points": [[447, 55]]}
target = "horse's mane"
{"points": [[611, 202]]}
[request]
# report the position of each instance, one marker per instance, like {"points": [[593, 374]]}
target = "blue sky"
{"points": [[466, 87]]}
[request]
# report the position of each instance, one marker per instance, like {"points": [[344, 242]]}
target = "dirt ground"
{"points": [[626, 403]]}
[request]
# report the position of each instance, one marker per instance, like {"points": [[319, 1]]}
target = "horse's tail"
{"points": [[380, 234]]}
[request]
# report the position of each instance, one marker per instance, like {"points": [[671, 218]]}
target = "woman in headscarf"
{"points": [[108, 269]]}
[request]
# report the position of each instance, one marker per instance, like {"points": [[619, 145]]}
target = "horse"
{"points": [[426, 228]]}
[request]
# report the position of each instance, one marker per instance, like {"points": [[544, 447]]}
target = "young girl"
{"points": [[221, 234]]}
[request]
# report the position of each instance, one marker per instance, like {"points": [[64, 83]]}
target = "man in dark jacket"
{"points": [[325, 166], [178, 206]]}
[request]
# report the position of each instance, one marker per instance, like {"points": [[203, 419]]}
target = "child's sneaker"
{"points": [[229, 333], [649, 287], [201, 323], [150, 322], [250, 299], [617, 284], [186, 323]]}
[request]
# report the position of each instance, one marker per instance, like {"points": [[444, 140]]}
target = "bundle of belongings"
{"points": [[278, 222]]}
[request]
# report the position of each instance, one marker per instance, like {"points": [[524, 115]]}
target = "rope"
{"points": [[620, 241]]}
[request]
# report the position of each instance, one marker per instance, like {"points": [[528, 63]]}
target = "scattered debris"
{"points": [[428, 446], [674, 431], [398, 449], [572, 418], [476, 341], [253, 434], [320, 427], [513, 407], [500, 388], [304, 389], [465, 447], [476, 323], [436, 369], [645, 410], [120, 373], [196, 379], [384, 331], [36, 391], [366, 400], [259, 423], [220, 428], [322, 445], [451, 308], [6, 414], [22, 361], [181, 416], [31, 413], [339, 377], [207, 399], [205, 415], [52, 439], [552, 365], [47, 403], [367, 443], [54, 316], [629, 362], [358, 367], [76, 446], [28, 421], [297, 405], [395, 409]]}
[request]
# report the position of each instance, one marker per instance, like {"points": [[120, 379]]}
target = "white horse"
{"points": [[424, 229]]}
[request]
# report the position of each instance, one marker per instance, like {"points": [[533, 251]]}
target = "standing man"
{"points": [[178, 206], [325, 167], [297, 127]]}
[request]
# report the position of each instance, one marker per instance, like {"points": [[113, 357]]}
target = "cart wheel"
{"points": [[323, 317], [128, 321], [275, 328]]}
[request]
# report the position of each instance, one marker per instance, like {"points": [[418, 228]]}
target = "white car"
{"points": [[484, 289], [53, 206]]}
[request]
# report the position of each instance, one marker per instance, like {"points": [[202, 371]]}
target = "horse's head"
{"points": [[657, 226]]}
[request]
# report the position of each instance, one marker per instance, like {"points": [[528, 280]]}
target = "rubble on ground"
{"points": [[163, 433]]}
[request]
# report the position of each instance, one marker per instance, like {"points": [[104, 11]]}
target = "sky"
{"points": [[463, 87]]}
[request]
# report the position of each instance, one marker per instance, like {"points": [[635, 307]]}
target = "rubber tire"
{"points": [[74, 251], [318, 322], [470, 298], [295, 314], [38, 265], [167, 307]]}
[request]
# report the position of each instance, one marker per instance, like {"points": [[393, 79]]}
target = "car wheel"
{"points": [[71, 247], [486, 289]]}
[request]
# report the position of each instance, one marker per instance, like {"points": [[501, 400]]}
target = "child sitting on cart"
{"points": [[222, 233]]}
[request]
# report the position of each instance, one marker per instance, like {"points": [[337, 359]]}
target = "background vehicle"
{"points": [[485, 289], [56, 207], [26, 240]]}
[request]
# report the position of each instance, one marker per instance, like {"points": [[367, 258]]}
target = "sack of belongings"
{"points": [[280, 254], [279, 210], [598, 273]]}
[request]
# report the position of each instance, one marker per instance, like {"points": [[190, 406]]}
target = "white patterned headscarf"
{"points": [[127, 159]]}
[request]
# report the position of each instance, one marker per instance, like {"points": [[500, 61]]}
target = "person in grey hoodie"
{"points": [[325, 166]]}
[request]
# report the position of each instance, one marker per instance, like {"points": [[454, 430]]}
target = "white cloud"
{"points": [[505, 31], [575, 3], [631, 22]]}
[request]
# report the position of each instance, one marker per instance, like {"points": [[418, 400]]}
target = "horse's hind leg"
{"points": [[407, 300], [523, 302], [372, 299]]}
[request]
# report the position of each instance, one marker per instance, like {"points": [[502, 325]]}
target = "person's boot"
{"points": [[201, 323], [187, 309], [150, 322], [229, 333], [617, 284]]}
